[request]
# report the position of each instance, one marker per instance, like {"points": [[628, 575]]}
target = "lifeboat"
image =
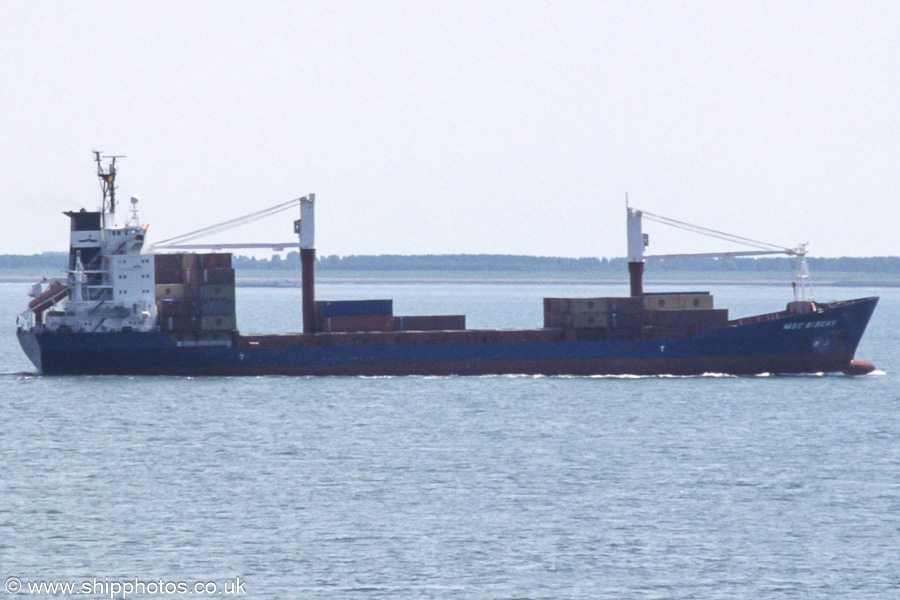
{"points": [[54, 294]]}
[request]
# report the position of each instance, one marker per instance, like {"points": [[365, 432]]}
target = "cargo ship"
{"points": [[127, 309]]}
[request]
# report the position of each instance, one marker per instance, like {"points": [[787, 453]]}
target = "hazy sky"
{"points": [[447, 127]]}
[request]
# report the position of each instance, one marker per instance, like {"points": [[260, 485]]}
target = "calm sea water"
{"points": [[449, 487]]}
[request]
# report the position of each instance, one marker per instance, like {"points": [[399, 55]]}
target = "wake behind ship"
{"points": [[124, 310]]}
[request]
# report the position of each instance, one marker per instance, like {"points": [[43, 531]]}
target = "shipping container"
{"points": [[167, 261], [557, 320], [625, 319], [353, 308], [168, 307], [697, 301], [430, 323], [218, 260], [662, 302], [217, 306], [180, 323], [172, 290], [206, 276], [558, 305], [190, 261], [212, 322], [589, 305], [169, 276], [682, 301], [589, 320], [625, 304], [352, 323], [221, 276], [215, 291]]}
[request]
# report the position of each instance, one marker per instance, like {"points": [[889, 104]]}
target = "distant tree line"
{"points": [[844, 264], [45, 260], [507, 262]]}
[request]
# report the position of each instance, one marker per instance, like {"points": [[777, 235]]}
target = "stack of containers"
{"points": [[178, 310], [195, 297], [215, 285], [592, 313], [430, 323], [558, 313], [344, 316], [685, 310]]}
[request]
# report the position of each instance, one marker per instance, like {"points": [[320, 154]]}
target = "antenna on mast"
{"points": [[802, 284], [107, 183]]}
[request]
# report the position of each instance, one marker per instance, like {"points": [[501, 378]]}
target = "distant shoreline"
{"points": [[269, 278], [560, 280]]}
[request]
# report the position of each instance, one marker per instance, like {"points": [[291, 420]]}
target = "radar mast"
{"points": [[107, 183]]}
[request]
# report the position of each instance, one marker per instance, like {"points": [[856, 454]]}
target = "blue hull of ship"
{"points": [[822, 341]]}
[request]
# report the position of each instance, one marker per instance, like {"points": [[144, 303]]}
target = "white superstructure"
{"points": [[109, 284]]}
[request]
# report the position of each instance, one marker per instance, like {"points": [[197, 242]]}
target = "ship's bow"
{"points": [[856, 314]]}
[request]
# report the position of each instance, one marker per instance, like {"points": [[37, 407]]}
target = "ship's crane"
{"points": [[179, 242], [637, 241]]}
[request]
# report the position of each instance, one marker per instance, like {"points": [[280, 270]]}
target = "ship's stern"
{"points": [[28, 341]]}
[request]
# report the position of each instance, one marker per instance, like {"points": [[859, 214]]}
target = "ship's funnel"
{"points": [[86, 241]]}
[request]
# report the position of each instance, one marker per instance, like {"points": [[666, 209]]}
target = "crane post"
{"points": [[636, 243], [305, 227]]}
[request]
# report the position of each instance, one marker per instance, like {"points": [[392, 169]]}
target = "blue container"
{"points": [[354, 308]]}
